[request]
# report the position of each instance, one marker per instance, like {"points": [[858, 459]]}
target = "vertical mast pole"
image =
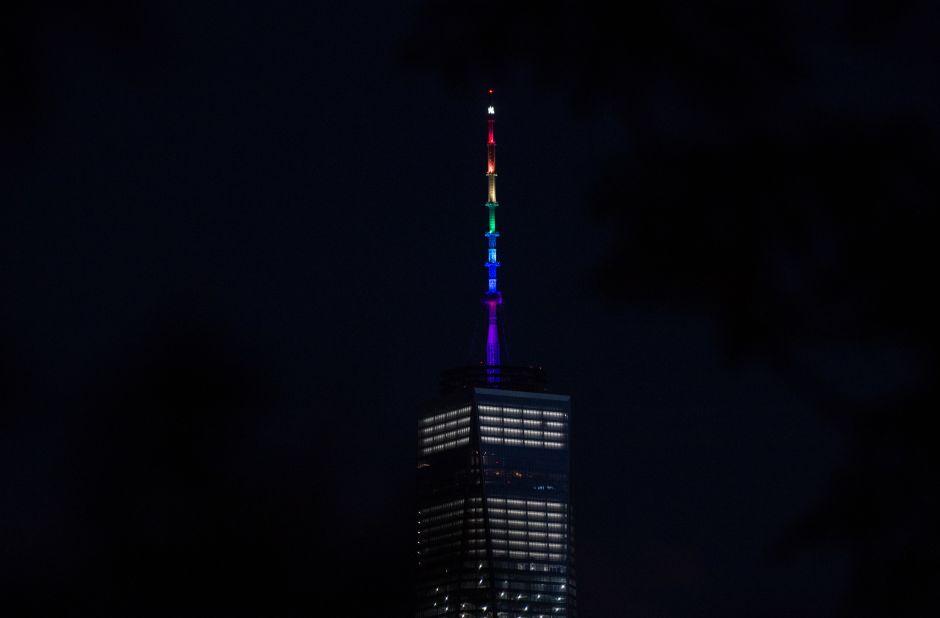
{"points": [[493, 298]]}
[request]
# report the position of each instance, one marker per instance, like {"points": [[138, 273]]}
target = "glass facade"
{"points": [[494, 525]]}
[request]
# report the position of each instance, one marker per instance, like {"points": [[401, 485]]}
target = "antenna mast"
{"points": [[493, 298]]}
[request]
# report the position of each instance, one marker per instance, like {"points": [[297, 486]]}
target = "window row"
{"points": [[555, 547], [522, 423], [517, 442], [439, 427], [475, 527], [522, 534], [533, 514], [445, 446], [445, 416], [532, 541], [533, 434], [525, 413], [433, 525], [456, 516], [523, 555], [530, 504], [448, 505], [530, 524], [443, 437]]}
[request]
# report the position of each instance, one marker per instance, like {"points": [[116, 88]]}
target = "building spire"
{"points": [[493, 298]]}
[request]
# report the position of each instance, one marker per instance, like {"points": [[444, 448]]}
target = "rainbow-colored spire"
{"points": [[493, 298]]}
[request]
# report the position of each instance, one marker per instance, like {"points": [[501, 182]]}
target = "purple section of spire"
{"points": [[492, 333]]}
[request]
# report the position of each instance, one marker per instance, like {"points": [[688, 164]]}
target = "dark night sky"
{"points": [[240, 240]]}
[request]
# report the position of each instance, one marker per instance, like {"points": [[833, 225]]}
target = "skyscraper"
{"points": [[494, 524]]}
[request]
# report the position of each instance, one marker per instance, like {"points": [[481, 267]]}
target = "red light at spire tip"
{"points": [[490, 91]]}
